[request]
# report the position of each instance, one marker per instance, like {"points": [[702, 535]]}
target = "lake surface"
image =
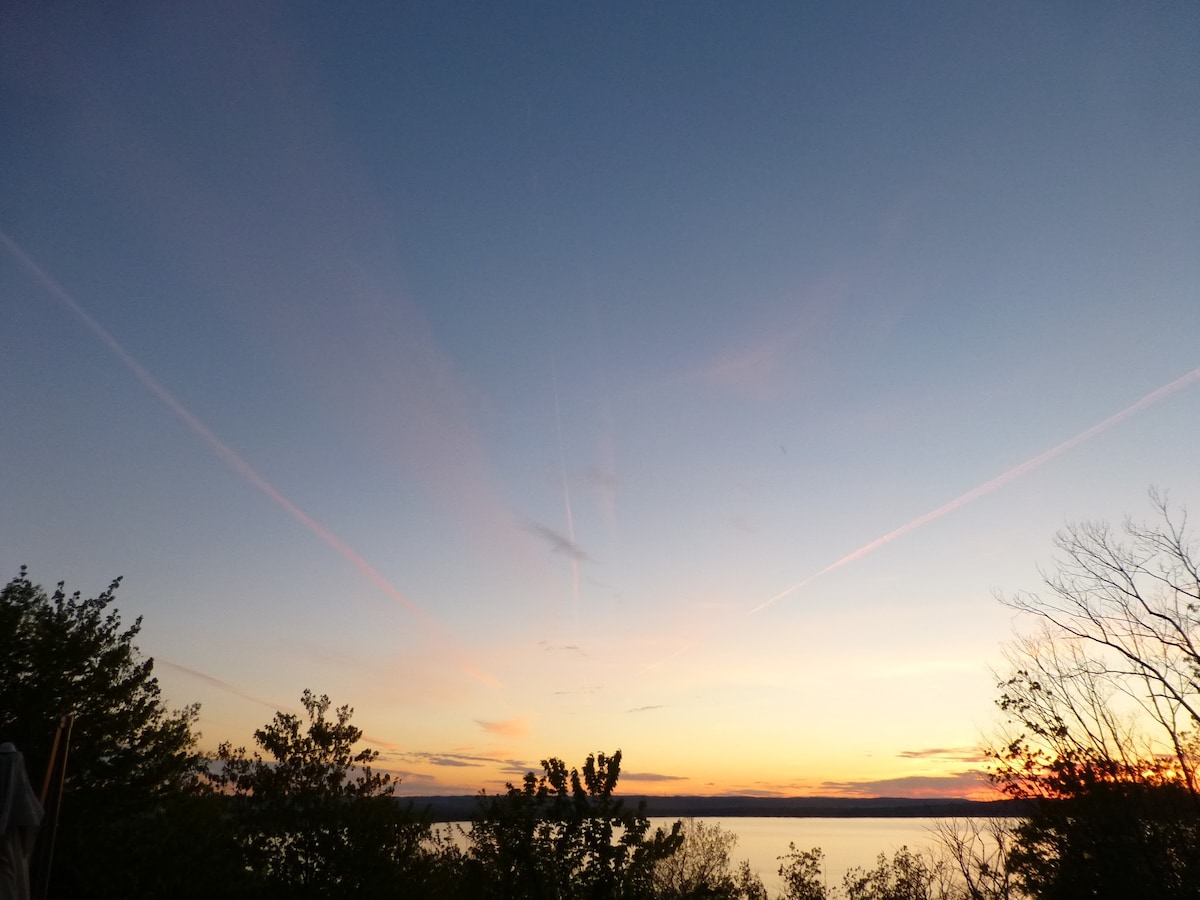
{"points": [[846, 842]]}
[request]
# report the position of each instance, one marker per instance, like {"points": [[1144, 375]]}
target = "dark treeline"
{"points": [[459, 808], [1098, 760]]}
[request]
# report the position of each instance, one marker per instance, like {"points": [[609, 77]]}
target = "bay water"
{"points": [[846, 842]]}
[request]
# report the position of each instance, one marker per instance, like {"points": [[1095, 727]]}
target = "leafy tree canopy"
{"points": [[906, 876], [803, 874], [311, 817], [701, 867], [130, 762], [565, 835], [64, 654], [316, 760]]}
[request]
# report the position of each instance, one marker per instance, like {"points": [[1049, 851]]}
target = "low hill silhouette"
{"points": [[462, 807]]}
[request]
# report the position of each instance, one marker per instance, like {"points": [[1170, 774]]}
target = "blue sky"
{"points": [[499, 372]]}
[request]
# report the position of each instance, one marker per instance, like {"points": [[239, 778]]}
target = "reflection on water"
{"points": [[846, 842]]}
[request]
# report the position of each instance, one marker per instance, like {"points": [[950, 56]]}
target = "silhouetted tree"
{"points": [[747, 883], [130, 758], [978, 851], [701, 867], [1104, 705], [803, 874], [64, 655], [314, 820], [565, 835], [906, 876]]}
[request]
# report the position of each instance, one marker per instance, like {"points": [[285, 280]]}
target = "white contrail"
{"points": [[562, 467], [999, 481], [223, 451]]}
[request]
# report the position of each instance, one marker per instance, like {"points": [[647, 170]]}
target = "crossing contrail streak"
{"points": [[562, 466], [222, 450], [996, 483], [230, 688], [219, 683]]}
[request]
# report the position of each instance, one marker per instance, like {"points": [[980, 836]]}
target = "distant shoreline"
{"points": [[458, 808]]}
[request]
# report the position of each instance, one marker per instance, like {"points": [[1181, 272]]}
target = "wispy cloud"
{"points": [[969, 783], [758, 792], [519, 769], [452, 761], [559, 543], [752, 368], [413, 782], [555, 648], [744, 525], [952, 754], [601, 479], [509, 728], [638, 709], [458, 760], [761, 367], [650, 776]]}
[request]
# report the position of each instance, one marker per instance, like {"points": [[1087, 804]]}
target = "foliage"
{"points": [[564, 835], [129, 756], [313, 819], [68, 655], [1111, 839], [318, 762], [1104, 707], [803, 874], [747, 885], [183, 848], [700, 867], [906, 876]]}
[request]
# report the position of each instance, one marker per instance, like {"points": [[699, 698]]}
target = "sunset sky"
{"points": [[545, 378]]}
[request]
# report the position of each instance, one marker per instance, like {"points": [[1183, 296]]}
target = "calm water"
{"points": [[846, 842]]}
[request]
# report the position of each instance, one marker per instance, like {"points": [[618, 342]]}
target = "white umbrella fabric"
{"points": [[20, 815]]}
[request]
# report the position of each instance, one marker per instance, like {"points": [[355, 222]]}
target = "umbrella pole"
{"points": [[53, 758], [67, 721]]}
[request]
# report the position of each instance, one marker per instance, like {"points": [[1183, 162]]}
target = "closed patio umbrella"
{"points": [[20, 816]]}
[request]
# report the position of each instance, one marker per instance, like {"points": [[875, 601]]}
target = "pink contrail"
{"points": [[994, 484], [219, 447], [221, 683], [562, 465], [236, 691]]}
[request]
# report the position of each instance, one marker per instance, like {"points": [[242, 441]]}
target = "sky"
{"points": [[541, 379]]}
